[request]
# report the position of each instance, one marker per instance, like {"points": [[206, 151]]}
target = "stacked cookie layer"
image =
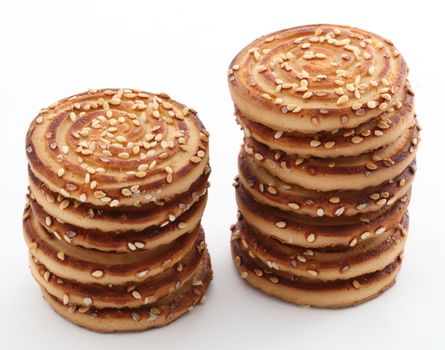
{"points": [[327, 164], [118, 184]]}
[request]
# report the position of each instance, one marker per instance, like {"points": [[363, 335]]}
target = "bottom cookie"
{"points": [[310, 292], [158, 314]]}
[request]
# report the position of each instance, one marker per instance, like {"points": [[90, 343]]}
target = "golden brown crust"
{"points": [[317, 77]]}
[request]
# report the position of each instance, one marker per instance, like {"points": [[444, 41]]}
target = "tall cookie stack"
{"points": [[327, 164], [118, 185]]}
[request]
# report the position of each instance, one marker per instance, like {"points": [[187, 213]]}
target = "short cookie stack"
{"points": [[117, 187], [327, 164]]}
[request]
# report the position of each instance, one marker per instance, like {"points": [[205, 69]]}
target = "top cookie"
{"points": [[317, 78], [117, 147]]}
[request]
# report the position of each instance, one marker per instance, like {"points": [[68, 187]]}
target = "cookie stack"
{"points": [[117, 187], [327, 164]]}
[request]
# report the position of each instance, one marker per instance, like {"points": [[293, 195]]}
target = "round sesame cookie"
{"points": [[365, 137], [307, 292], [156, 314], [115, 147], [270, 190], [122, 241], [322, 231], [342, 173], [317, 78], [91, 266], [129, 295], [119, 219], [324, 264]]}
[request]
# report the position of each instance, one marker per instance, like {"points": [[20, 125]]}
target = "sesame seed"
{"points": [[371, 166], [320, 212], [83, 197], [356, 106], [329, 144], [272, 190], [339, 211], [315, 143], [301, 258], [244, 274], [48, 221], [312, 272], [61, 256], [386, 96], [278, 135], [140, 174], [143, 167], [258, 272], [261, 69], [353, 242], [310, 238], [66, 299], [60, 172], [372, 104], [356, 284], [378, 133], [280, 224], [46, 276], [380, 230], [259, 156], [342, 99], [124, 155], [99, 194], [365, 235], [293, 205], [97, 273], [334, 200], [135, 294], [274, 279], [357, 139], [87, 301], [195, 159], [374, 196], [307, 95]]}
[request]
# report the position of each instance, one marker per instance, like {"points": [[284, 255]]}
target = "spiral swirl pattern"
{"points": [[317, 77], [117, 147]]}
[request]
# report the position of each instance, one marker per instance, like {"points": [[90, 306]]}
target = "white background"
{"points": [[49, 50]]}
